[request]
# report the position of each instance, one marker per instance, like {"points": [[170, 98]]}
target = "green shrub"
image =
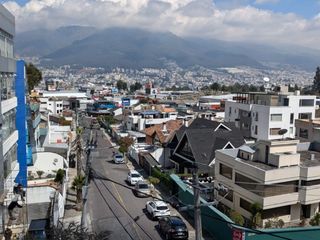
{"points": [[236, 217], [315, 221], [59, 176]]}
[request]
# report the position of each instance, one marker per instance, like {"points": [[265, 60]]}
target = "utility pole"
{"points": [[87, 179], [197, 210]]}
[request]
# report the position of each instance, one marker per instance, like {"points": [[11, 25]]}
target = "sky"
{"points": [[260, 21]]}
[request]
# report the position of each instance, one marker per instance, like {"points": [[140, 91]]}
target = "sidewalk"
{"points": [[71, 214]]}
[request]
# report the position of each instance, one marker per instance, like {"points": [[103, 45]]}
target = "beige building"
{"points": [[308, 130], [280, 175]]}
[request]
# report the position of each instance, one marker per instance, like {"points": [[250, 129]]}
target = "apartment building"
{"points": [[9, 166], [139, 120], [308, 130], [283, 176], [262, 115]]}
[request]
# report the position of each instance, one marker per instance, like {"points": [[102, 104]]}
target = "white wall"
{"points": [[47, 162]]}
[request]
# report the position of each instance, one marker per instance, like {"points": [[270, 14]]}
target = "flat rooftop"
{"points": [[305, 158]]}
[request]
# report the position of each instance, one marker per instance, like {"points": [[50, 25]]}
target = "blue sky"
{"points": [[304, 8]]}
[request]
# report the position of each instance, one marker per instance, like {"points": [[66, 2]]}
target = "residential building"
{"points": [[308, 130], [198, 144], [263, 115], [283, 176]]}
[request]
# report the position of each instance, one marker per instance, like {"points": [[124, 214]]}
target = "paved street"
{"points": [[117, 210]]}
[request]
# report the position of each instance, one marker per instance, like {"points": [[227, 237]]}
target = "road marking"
{"points": [[123, 205]]}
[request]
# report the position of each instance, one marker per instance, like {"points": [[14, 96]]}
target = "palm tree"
{"points": [[77, 185], [40, 173], [256, 211], [79, 149]]}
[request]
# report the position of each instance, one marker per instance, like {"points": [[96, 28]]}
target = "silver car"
{"points": [[157, 209], [142, 189]]}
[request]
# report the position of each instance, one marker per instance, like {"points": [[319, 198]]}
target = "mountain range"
{"points": [[137, 48]]}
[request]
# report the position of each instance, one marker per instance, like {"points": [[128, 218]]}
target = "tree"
{"points": [[236, 217], [34, 76], [79, 149], [136, 86], [256, 211], [121, 85], [59, 176], [40, 173], [77, 184], [316, 81], [125, 143], [315, 221]]}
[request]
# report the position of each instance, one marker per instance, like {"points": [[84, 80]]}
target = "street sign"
{"points": [[125, 102], [238, 234]]}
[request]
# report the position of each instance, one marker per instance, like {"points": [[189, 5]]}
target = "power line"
{"points": [[222, 220], [150, 237], [105, 200]]}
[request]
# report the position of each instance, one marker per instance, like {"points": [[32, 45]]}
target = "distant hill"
{"points": [[40, 42], [136, 48]]}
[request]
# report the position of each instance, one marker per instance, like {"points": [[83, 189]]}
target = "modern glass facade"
{"points": [[9, 123]]}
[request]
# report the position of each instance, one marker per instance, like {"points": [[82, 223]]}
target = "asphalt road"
{"points": [[112, 208]]}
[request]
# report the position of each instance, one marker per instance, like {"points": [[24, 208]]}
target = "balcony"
{"points": [[309, 195]]}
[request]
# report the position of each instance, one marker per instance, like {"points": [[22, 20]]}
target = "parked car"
{"points": [[142, 189], [134, 177], [157, 209], [118, 158], [173, 227]]}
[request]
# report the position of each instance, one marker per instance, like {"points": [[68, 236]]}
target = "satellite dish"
{"points": [[282, 132], [266, 79]]}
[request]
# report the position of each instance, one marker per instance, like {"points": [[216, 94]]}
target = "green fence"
{"points": [[213, 221]]}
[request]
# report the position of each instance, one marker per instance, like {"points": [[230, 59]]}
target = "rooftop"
{"points": [[305, 158]]}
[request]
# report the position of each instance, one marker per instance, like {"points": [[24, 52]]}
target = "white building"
{"points": [[283, 176], [261, 115]]}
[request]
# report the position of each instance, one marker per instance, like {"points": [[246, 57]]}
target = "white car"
{"points": [[118, 158], [157, 209], [134, 177]]}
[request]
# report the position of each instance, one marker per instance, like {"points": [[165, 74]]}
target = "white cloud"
{"points": [[265, 1], [200, 18]]}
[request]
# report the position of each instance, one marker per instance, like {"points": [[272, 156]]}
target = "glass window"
{"points": [[9, 123], [225, 171], [257, 116], [291, 118], [305, 115], [245, 204], [276, 117], [228, 195], [10, 161], [303, 133], [306, 102], [256, 129], [276, 212], [7, 84], [274, 131]]}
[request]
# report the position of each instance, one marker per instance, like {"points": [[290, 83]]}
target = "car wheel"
{"points": [[167, 236]]}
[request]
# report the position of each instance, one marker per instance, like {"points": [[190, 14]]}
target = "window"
{"points": [[276, 117], [310, 183], [257, 116], [10, 160], [245, 204], [305, 115], [276, 212], [291, 130], [291, 118], [225, 171], [7, 84], [229, 196], [303, 133], [256, 129], [9, 123], [306, 103], [274, 131], [286, 102]]}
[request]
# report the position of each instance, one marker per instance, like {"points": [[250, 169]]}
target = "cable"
{"points": [[105, 200], [247, 229], [150, 237]]}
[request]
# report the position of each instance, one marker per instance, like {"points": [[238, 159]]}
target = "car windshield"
{"points": [[143, 186], [162, 208], [135, 175], [178, 222], [118, 156]]}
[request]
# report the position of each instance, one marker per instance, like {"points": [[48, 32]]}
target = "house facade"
{"points": [[282, 176], [262, 116]]}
